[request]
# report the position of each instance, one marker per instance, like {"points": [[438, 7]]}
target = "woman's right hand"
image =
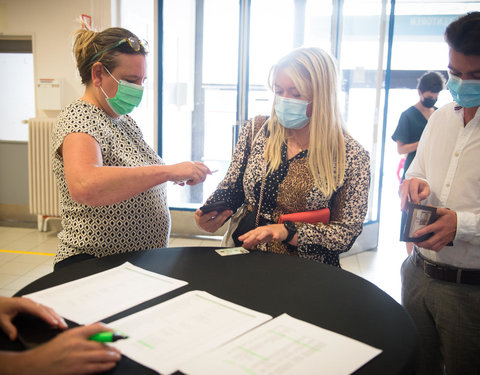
{"points": [[188, 172], [213, 220]]}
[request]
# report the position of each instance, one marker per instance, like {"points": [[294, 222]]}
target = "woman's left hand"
{"points": [[11, 307], [266, 233]]}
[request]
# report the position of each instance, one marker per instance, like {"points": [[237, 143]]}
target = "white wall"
{"points": [[52, 23]]}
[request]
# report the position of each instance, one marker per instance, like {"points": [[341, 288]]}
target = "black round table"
{"points": [[323, 295]]}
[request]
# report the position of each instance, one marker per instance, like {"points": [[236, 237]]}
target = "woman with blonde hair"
{"points": [[111, 183], [299, 159]]}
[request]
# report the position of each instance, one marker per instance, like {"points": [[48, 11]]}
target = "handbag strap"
{"points": [[257, 219], [254, 138], [255, 134]]}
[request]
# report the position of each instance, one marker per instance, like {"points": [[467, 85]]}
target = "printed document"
{"points": [[167, 335], [282, 346], [106, 293]]}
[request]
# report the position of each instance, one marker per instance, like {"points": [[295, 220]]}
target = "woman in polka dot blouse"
{"points": [[299, 159], [111, 183]]}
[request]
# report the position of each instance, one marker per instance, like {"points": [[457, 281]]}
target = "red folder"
{"points": [[312, 217]]}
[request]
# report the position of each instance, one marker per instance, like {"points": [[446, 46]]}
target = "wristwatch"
{"points": [[291, 228]]}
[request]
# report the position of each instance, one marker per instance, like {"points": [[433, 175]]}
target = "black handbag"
{"points": [[252, 219], [245, 225]]}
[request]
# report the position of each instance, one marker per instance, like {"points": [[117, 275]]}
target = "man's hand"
{"points": [[443, 229], [413, 189]]}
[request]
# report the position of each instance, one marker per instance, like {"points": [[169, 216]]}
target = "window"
{"points": [[418, 46], [276, 27], [207, 61], [200, 44], [204, 64], [217, 55], [138, 17]]}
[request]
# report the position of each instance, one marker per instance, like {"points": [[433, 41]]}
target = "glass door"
{"points": [[200, 61], [418, 46], [355, 34], [217, 55], [361, 49], [215, 69], [289, 24]]}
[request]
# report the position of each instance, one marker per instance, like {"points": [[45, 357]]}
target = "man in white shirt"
{"points": [[441, 282]]}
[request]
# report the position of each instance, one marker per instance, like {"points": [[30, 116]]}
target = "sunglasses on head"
{"points": [[134, 43]]}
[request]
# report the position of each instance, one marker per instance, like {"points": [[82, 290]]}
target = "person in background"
{"points": [[441, 283], [111, 183], [70, 352], [302, 159], [413, 121]]}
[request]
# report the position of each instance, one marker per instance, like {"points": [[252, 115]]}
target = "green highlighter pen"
{"points": [[107, 337]]}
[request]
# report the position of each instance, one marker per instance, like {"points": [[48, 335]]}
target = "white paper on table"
{"points": [[282, 346], [93, 298], [164, 336]]}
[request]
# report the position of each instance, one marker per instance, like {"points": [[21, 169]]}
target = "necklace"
{"points": [[300, 146]]}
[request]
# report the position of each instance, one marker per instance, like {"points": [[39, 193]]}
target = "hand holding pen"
{"points": [[107, 336], [70, 352]]}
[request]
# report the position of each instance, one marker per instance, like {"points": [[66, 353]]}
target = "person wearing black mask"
{"points": [[413, 121]]}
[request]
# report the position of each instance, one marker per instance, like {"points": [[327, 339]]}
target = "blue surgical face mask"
{"points": [[128, 96], [466, 93], [291, 113]]}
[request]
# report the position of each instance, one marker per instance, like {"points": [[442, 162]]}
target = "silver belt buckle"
{"points": [[459, 275], [426, 264]]}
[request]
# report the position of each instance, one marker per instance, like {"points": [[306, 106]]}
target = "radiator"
{"points": [[43, 192]]}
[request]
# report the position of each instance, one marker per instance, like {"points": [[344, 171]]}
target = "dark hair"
{"points": [[431, 81], [463, 34], [88, 43]]}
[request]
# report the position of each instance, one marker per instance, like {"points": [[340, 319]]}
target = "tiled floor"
{"points": [[27, 254]]}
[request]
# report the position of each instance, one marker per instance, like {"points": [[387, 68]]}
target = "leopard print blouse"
{"points": [[291, 189], [139, 223]]}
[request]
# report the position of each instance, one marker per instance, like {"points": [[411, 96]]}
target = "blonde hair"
{"points": [[314, 73], [87, 43]]}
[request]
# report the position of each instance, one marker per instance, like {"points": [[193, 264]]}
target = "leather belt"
{"points": [[446, 273]]}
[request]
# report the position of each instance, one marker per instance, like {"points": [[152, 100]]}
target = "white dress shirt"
{"points": [[448, 158]]}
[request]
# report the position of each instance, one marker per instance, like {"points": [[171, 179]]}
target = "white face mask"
{"points": [[291, 113]]}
